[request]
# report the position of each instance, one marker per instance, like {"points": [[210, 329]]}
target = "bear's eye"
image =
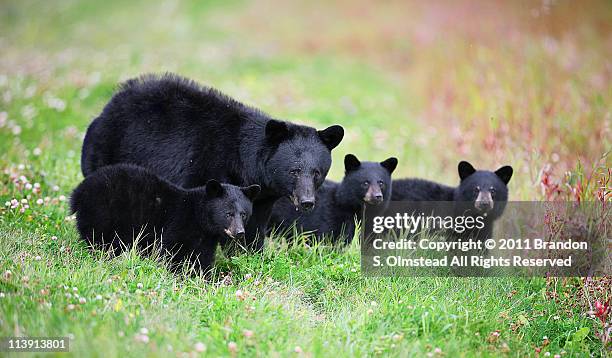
{"points": [[365, 184], [229, 215], [492, 190], [317, 174], [477, 190], [295, 172], [243, 216]]}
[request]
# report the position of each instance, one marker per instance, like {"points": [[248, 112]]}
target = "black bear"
{"points": [[188, 134], [340, 204], [117, 203], [480, 192]]}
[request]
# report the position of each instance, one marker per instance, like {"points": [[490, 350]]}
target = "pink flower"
{"points": [[602, 310]]}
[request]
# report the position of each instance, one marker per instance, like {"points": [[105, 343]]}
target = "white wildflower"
{"points": [[199, 347]]}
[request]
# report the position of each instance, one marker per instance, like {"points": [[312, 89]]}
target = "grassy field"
{"points": [[521, 83]]}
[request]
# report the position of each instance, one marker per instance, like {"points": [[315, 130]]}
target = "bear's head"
{"points": [[487, 190], [226, 208], [300, 159], [367, 182]]}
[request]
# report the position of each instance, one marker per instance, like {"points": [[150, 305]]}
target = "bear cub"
{"points": [[340, 204], [117, 203], [480, 192]]}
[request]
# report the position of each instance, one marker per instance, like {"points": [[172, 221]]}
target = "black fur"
{"points": [[479, 192], [115, 203], [188, 134], [340, 204]]}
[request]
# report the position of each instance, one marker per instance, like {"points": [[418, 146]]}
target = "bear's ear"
{"points": [[251, 191], [331, 136], [213, 189], [276, 131], [504, 173], [390, 164], [351, 163], [465, 169]]}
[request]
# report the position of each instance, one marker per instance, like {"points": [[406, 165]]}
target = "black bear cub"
{"points": [[188, 134], [340, 204], [118, 203], [480, 192]]}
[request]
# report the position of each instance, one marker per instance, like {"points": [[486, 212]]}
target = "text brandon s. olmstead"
{"points": [[469, 261]]}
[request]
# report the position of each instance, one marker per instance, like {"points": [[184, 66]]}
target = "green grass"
{"points": [[430, 104], [311, 298]]}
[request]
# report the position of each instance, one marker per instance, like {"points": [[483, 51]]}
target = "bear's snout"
{"points": [[307, 205], [235, 230], [374, 195], [484, 201], [304, 193]]}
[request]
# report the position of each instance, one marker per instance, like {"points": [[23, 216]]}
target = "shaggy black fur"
{"points": [[116, 203], [188, 134], [479, 192], [340, 204]]}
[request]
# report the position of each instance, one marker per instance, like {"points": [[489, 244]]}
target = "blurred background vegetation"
{"points": [[526, 83]]}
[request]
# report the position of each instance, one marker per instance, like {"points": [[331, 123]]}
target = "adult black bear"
{"points": [[340, 204], [117, 203], [188, 134], [480, 192]]}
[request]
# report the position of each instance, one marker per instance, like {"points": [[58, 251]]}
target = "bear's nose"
{"points": [[307, 205], [483, 205], [375, 199], [239, 234]]}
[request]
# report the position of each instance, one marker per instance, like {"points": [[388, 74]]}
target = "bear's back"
{"points": [[180, 130], [413, 189], [172, 97], [122, 199]]}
